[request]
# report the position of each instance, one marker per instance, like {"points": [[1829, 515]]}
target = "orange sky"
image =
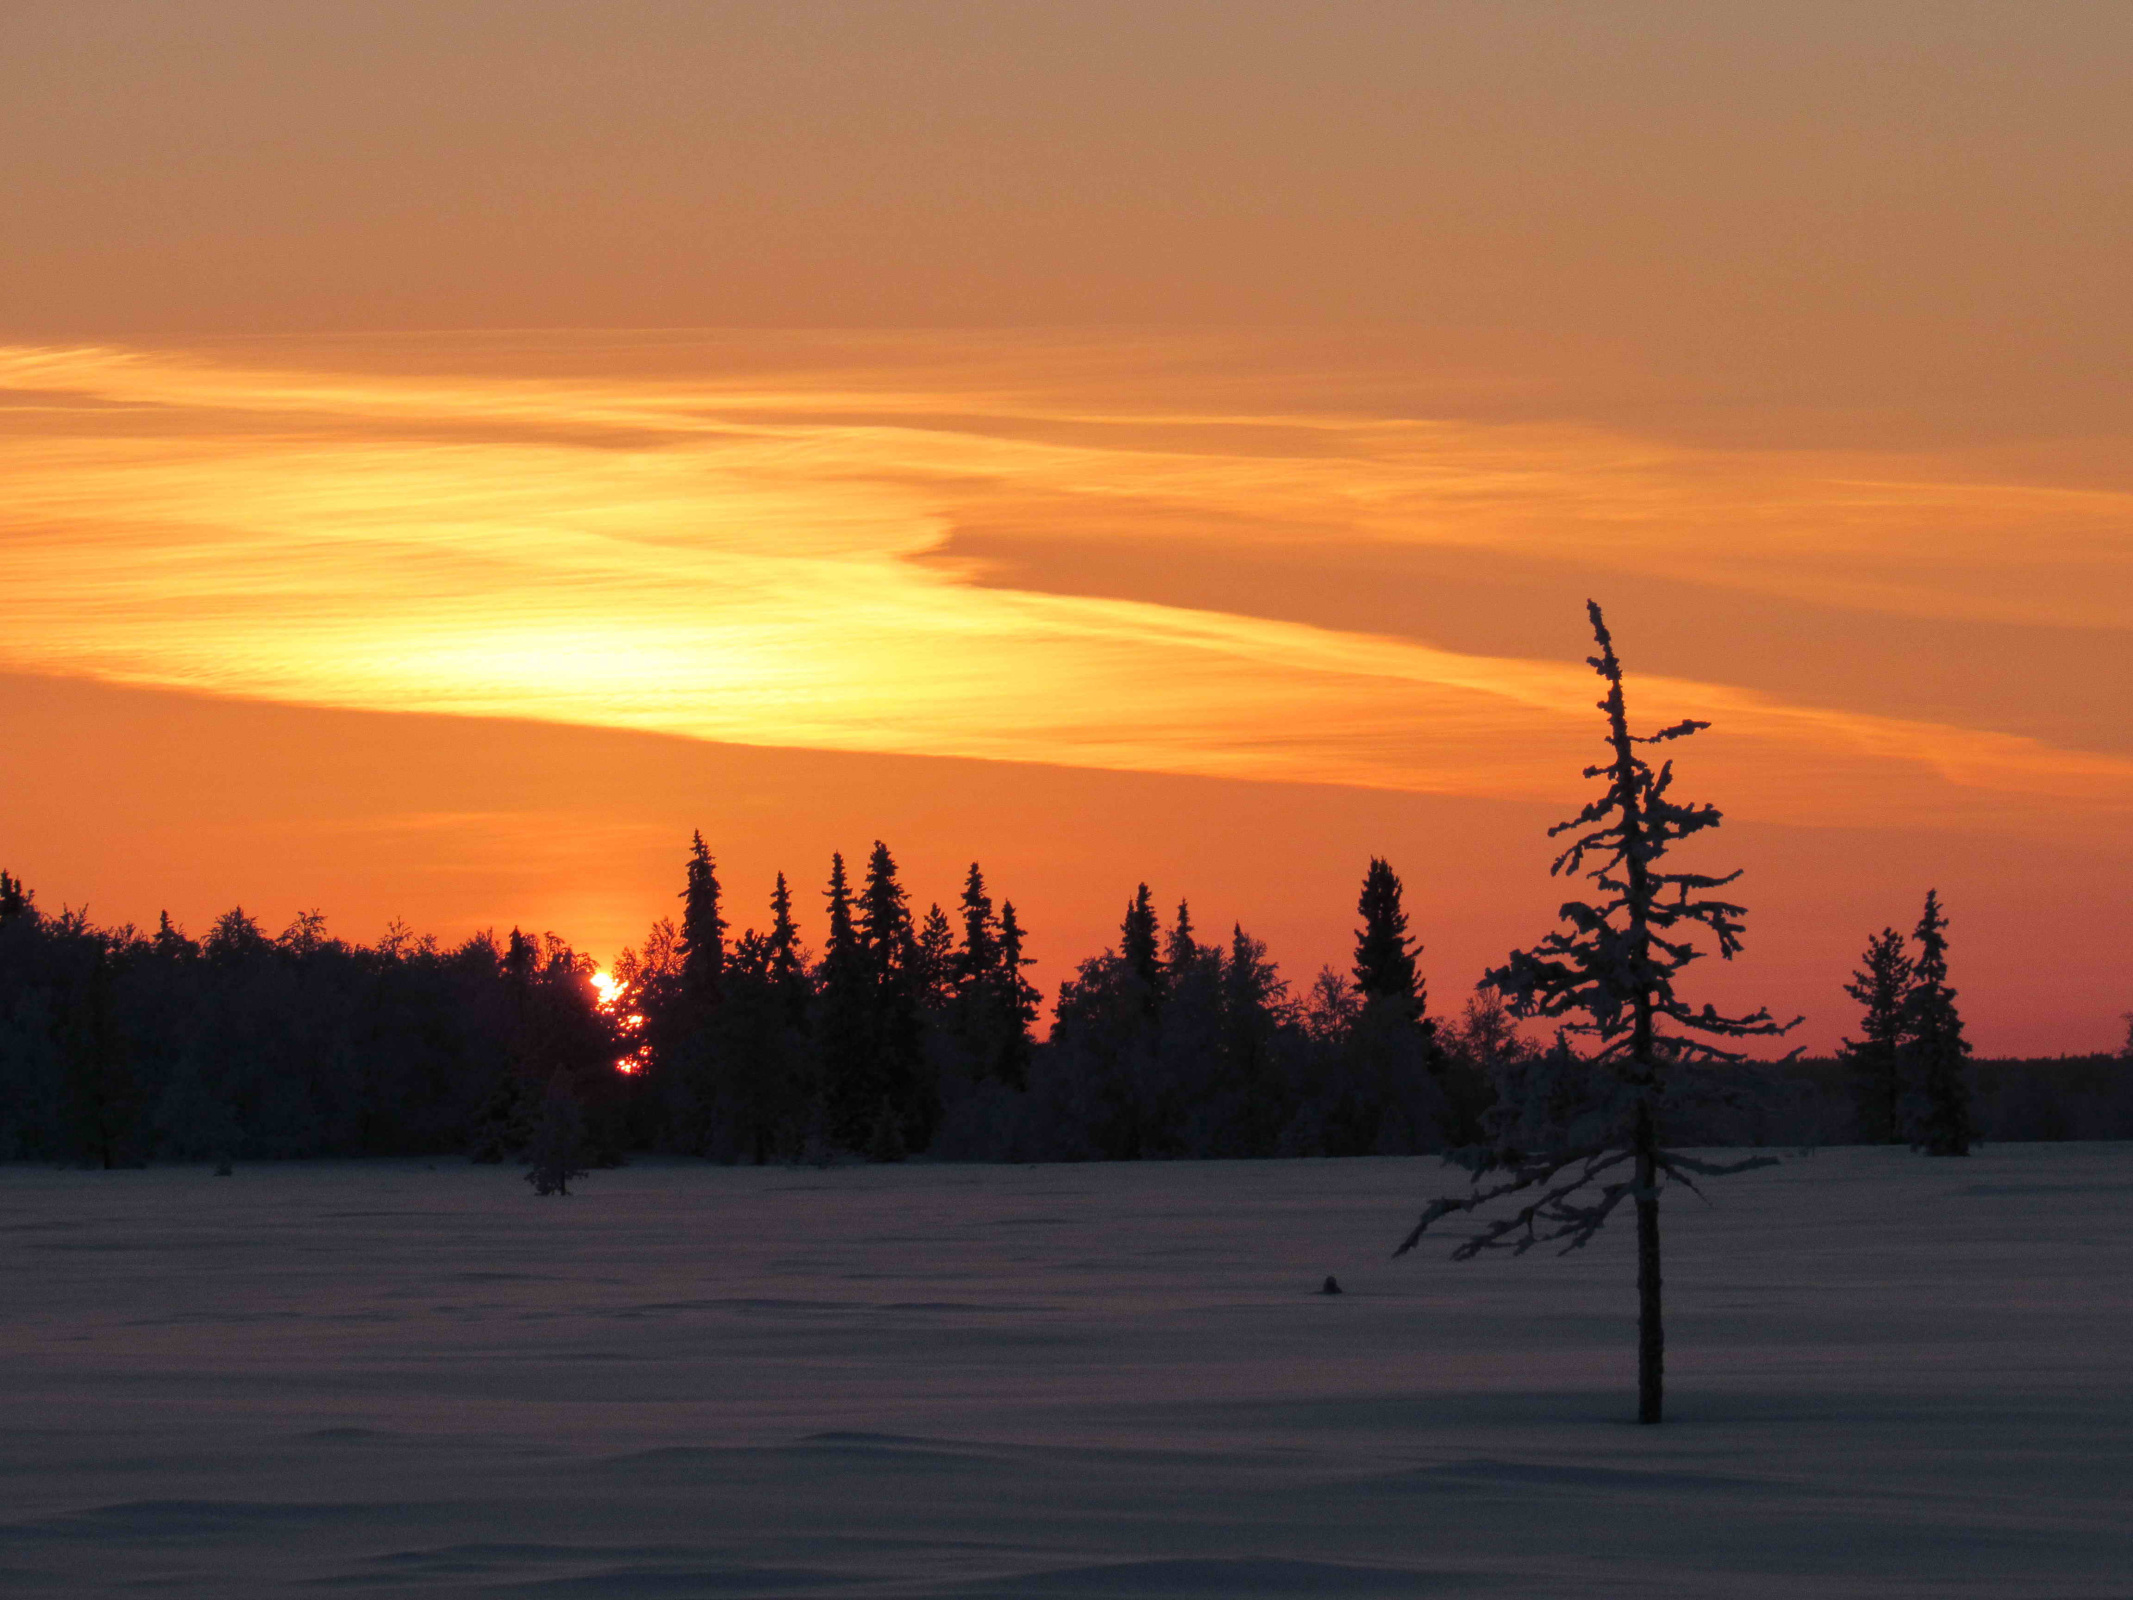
{"points": [[1212, 420]]}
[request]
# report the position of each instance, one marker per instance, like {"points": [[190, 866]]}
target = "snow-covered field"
{"points": [[1888, 1376]]}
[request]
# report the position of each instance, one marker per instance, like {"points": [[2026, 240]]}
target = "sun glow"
{"points": [[609, 995], [775, 560]]}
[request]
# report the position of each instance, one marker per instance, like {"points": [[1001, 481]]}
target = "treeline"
{"points": [[118, 1046], [914, 1033], [906, 1033]]}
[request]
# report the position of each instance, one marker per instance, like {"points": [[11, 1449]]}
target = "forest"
{"points": [[908, 1034]]}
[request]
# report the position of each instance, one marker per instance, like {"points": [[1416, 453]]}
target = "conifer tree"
{"points": [[1020, 1001], [1180, 949], [933, 961], [703, 933], [842, 944], [993, 1006], [1566, 1129], [1137, 936], [979, 957], [761, 1036], [1255, 1005], [849, 1105], [884, 919], [556, 1153], [889, 953], [1882, 986], [15, 900], [1934, 1046], [783, 958], [1384, 961]]}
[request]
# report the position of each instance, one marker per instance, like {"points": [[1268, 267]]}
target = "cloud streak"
{"points": [[731, 552]]}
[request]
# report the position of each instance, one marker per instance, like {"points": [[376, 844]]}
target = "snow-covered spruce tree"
{"points": [[1576, 1134], [1934, 1047], [556, 1153]]}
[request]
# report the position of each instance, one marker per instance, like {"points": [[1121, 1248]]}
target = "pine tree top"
{"points": [[1384, 961], [1137, 937], [703, 928]]}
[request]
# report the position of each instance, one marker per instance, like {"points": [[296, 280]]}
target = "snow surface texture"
{"points": [[1888, 1376]]}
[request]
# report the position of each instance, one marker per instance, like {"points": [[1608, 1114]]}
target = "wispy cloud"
{"points": [[728, 555]]}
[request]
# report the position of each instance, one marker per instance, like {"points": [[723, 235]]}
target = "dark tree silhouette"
{"points": [[1137, 936], [120, 1045], [1019, 1001], [889, 954], [556, 1153], [933, 962], [703, 934], [1564, 1131], [1934, 1047], [1882, 987], [762, 1037], [1384, 961], [784, 961], [15, 900], [988, 1014], [851, 1100], [103, 1100], [979, 957], [1181, 951], [1390, 1071]]}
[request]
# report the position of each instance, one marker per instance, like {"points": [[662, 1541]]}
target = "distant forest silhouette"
{"points": [[905, 1035]]}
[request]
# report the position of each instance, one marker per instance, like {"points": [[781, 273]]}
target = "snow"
{"points": [[1887, 1376]]}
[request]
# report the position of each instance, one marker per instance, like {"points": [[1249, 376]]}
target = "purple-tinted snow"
{"points": [[1888, 1376]]}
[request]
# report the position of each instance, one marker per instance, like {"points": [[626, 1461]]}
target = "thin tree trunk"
{"points": [[1651, 1335]]}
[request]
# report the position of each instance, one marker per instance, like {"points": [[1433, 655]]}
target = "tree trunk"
{"points": [[1651, 1335]]}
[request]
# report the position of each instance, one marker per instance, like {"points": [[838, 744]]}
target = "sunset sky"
{"points": [[453, 450]]}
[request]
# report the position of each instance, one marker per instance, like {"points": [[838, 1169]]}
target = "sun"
{"points": [[608, 997]]}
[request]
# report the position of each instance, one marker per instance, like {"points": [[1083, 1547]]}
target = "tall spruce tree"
{"points": [[703, 932], [844, 990], [889, 953], [1180, 949], [1137, 937], [1019, 1003], [1934, 1047], [1882, 986], [933, 961], [761, 1035], [699, 1086], [979, 956], [786, 963], [1564, 1133], [1384, 961]]}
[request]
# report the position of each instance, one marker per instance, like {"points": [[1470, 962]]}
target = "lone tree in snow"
{"points": [[1882, 985], [1939, 1102], [556, 1153], [1567, 1124]]}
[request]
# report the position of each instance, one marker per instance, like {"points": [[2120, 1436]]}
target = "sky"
{"points": [[453, 451]]}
